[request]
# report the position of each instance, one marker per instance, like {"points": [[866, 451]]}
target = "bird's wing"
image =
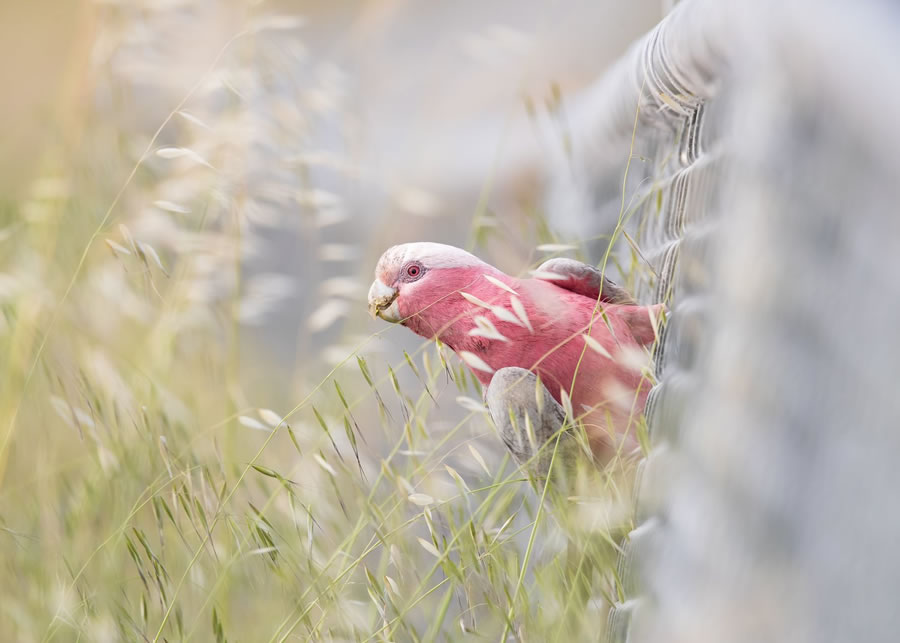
{"points": [[529, 419], [588, 281], [526, 416], [584, 279]]}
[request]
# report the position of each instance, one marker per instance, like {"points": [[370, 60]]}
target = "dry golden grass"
{"points": [[148, 493]]}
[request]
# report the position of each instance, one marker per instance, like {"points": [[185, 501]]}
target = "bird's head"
{"points": [[415, 284]]}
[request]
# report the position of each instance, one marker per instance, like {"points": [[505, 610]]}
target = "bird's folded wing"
{"points": [[588, 281], [526, 416], [584, 279]]}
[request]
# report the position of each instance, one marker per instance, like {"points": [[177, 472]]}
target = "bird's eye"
{"points": [[413, 271]]}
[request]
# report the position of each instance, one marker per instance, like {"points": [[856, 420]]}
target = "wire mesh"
{"points": [[762, 189]]}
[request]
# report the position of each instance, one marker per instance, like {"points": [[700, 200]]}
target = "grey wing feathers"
{"points": [[583, 279], [511, 398]]}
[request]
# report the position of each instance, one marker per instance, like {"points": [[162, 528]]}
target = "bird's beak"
{"points": [[383, 302]]}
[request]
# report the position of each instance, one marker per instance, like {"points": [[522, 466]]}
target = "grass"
{"points": [[149, 494]]}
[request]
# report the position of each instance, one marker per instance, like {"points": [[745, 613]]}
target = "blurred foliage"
{"points": [[145, 496]]}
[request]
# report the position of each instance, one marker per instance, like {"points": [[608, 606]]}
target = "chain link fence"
{"points": [[763, 192]]}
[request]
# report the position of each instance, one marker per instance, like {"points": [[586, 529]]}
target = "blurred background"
{"points": [[193, 196], [204, 437], [337, 128]]}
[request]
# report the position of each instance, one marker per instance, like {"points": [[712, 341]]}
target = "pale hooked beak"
{"points": [[383, 302]]}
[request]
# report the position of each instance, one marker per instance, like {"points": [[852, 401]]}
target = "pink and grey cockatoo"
{"points": [[575, 330]]}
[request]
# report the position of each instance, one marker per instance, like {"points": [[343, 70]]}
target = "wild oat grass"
{"points": [[147, 495]]}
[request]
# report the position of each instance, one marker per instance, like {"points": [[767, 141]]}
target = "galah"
{"points": [[565, 339]]}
